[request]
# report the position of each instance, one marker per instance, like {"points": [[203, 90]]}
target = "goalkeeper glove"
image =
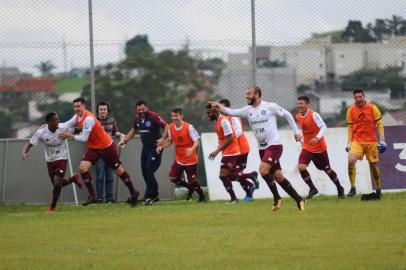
{"points": [[382, 145]]}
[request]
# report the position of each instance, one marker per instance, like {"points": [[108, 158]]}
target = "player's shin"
{"points": [[87, 179]]}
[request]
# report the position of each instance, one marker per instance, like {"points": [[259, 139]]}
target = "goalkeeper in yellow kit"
{"points": [[362, 119]]}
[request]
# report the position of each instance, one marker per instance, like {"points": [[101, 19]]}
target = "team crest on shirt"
{"points": [[263, 112], [148, 123]]}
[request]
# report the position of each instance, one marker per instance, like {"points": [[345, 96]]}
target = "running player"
{"points": [[314, 147], [261, 116], [236, 123], [55, 155], [362, 119], [99, 146], [228, 146], [186, 140]]}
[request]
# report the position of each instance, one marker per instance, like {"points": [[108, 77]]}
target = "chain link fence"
{"points": [[184, 52]]}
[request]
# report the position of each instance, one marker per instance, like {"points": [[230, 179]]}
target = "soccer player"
{"points": [[186, 140], [56, 155], [149, 125], [99, 146], [236, 123], [314, 147], [362, 119], [102, 170], [261, 116], [228, 146]]}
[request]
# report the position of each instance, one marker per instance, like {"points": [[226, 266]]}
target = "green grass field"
{"points": [[331, 234]]}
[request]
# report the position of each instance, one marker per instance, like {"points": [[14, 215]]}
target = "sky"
{"points": [[33, 30]]}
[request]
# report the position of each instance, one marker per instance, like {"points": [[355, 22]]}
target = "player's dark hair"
{"points": [[49, 116], [209, 106], [356, 91], [103, 103], [177, 110], [257, 90], [79, 99], [225, 102], [141, 102], [305, 98]]}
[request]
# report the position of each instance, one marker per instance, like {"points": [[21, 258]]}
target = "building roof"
{"points": [[30, 85]]}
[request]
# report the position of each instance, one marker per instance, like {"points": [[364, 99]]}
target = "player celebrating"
{"points": [[236, 123], [261, 116], [228, 146], [362, 118], [314, 146], [56, 155], [186, 140], [99, 145]]}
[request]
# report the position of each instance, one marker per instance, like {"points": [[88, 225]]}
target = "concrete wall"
{"points": [[28, 181]]}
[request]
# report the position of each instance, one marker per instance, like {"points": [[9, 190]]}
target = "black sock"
{"points": [[55, 195]]}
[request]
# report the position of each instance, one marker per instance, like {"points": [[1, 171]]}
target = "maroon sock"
{"points": [[308, 180], [127, 181], [286, 185], [55, 195], [246, 185], [333, 176], [272, 186], [87, 179], [66, 182], [229, 186], [196, 186]]}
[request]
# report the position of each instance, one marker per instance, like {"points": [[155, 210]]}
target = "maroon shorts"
{"points": [[230, 163], [320, 160], [109, 155], [242, 162], [57, 167], [271, 155], [177, 170]]}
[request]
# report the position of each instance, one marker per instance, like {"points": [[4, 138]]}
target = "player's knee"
{"points": [[263, 171], [224, 172], [57, 181], [301, 167], [173, 179], [278, 175]]}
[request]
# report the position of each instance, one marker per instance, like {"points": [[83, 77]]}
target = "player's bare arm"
{"points": [[127, 137], [26, 149], [191, 150], [221, 147]]}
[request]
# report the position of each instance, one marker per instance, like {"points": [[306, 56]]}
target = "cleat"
{"points": [[134, 200], [90, 200], [232, 201], [151, 201], [371, 197], [110, 201], [255, 179], [51, 210], [189, 195], [340, 192], [248, 199], [312, 192], [76, 179], [300, 205], [352, 192], [277, 205]]}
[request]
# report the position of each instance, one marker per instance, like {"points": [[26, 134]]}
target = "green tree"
{"points": [[165, 80], [377, 79], [45, 67], [64, 109], [355, 32], [6, 123]]}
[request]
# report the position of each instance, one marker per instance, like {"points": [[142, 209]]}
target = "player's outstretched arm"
{"points": [[127, 137], [289, 118], [26, 149]]}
